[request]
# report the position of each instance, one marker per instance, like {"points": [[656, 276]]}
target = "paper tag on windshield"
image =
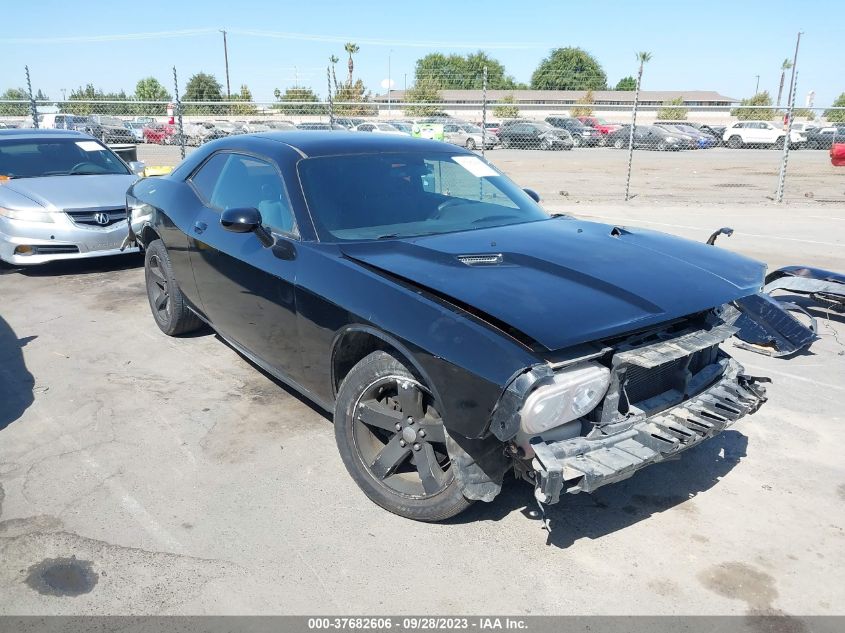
{"points": [[475, 166], [90, 146]]}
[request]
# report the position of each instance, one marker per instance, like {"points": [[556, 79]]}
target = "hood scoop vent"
{"points": [[485, 259]]}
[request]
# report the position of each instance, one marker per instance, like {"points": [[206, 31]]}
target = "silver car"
{"points": [[62, 196], [469, 136]]}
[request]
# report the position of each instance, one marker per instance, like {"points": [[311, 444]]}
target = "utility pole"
{"points": [[757, 89], [226, 57]]}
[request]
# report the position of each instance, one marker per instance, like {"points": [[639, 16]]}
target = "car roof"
{"points": [[334, 142], [41, 133]]}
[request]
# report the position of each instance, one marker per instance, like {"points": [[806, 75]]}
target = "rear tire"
{"points": [[577, 141], [618, 143], [167, 303], [506, 144], [470, 144], [380, 405], [779, 143]]}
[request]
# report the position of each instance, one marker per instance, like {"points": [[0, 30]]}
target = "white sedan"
{"points": [[379, 128]]}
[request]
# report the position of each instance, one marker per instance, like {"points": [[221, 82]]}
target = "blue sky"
{"points": [[715, 45]]}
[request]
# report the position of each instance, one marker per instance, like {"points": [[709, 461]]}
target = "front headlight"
{"points": [[573, 393], [26, 216]]}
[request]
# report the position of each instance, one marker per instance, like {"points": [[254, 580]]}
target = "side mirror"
{"points": [[246, 220], [137, 167], [532, 194]]}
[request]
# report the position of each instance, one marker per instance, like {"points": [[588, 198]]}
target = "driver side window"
{"points": [[229, 181]]}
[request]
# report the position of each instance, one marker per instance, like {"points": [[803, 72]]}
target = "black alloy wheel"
{"points": [[393, 442]]}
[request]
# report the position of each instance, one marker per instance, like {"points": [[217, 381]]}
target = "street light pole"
{"points": [[226, 57], [757, 89]]}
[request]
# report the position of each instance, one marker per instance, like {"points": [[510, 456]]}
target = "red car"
{"points": [[601, 125], [158, 133]]}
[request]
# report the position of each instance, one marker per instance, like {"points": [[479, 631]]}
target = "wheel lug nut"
{"points": [[416, 447], [410, 420], [402, 443], [422, 433], [398, 427]]}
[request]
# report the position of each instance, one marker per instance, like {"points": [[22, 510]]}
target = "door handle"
{"points": [[199, 227]]}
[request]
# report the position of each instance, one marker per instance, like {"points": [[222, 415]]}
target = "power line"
{"points": [[274, 35]]}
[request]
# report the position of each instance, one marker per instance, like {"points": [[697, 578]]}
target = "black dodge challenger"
{"points": [[455, 329]]}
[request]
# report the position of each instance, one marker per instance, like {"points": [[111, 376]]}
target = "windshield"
{"points": [[28, 158], [386, 127], [381, 196], [471, 129]]}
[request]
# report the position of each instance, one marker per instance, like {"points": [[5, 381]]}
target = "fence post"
{"points": [[631, 139], [331, 109], [178, 114], [793, 87], [33, 109], [483, 110]]}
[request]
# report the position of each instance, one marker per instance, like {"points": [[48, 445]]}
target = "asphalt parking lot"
{"points": [[172, 476]]}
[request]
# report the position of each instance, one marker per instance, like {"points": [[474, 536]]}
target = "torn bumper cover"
{"points": [[583, 464]]}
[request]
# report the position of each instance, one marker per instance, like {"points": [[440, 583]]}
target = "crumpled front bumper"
{"points": [[582, 465]]}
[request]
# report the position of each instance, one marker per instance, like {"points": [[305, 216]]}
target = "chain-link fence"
{"points": [[672, 147]]}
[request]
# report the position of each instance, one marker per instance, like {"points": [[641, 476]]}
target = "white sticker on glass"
{"points": [[90, 146], [475, 166]]}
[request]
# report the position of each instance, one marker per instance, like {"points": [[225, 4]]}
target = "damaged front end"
{"points": [[650, 396]]}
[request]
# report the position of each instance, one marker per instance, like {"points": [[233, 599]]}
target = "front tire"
{"points": [[392, 441], [167, 303], [577, 141], [470, 144], [618, 143], [735, 142]]}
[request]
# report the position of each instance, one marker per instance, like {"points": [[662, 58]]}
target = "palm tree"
{"points": [[351, 48], [334, 59], [642, 57], [786, 65]]}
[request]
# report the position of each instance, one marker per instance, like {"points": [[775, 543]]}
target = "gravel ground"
{"points": [[597, 175], [144, 474]]}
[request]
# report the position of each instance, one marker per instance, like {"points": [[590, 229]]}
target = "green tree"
{"points": [[354, 100], [14, 109], [298, 94], [584, 110], [626, 83], [786, 65], [425, 90], [149, 89], [351, 48], [837, 116], [246, 106], [462, 72], [506, 108], [756, 113], [84, 101], [673, 110], [569, 69], [203, 87]]}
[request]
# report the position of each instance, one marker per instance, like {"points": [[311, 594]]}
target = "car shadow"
{"points": [[282, 385], [94, 265], [16, 383], [653, 490]]}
